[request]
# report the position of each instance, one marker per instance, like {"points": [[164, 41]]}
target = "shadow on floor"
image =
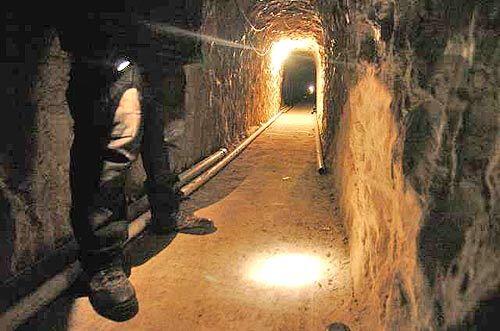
{"points": [[55, 316], [147, 246], [212, 192]]}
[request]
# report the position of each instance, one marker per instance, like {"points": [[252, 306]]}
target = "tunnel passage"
{"points": [[401, 126], [410, 122], [299, 79]]}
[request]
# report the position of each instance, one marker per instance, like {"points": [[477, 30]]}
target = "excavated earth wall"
{"points": [[413, 135]]}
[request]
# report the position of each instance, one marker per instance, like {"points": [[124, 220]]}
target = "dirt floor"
{"points": [[279, 260]]}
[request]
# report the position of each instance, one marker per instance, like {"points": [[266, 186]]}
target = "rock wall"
{"points": [[36, 133], [234, 73], [412, 104], [194, 136]]}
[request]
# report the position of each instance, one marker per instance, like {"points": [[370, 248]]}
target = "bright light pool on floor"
{"points": [[288, 270]]}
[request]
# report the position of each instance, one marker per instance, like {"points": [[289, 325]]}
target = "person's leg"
{"points": [[164, 200], [105, 104]]}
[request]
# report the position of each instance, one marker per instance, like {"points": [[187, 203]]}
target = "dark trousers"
{"points": [[117, 115]]}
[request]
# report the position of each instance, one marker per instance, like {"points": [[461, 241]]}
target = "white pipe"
{"points": [[319, 149], [205, 177], [201, 166], [42, 296], [52, 288]]}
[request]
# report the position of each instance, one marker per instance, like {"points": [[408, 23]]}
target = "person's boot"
{"points": [[80, 287], [166, 217], [112, 295], [181, 222]]}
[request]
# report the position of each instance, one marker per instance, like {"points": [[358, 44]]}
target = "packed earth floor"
{"points": [[272, 210]]}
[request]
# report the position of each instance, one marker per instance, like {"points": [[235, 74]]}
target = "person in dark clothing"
{"points": [[115, 96]]}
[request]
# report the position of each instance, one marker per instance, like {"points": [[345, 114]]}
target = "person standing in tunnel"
{"points": [[115, 97]]}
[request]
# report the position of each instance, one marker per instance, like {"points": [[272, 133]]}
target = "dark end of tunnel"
{"points": [[338, 327], [299, 79]]}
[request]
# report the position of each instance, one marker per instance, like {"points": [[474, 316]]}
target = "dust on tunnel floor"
{"points": [[269, 202]]}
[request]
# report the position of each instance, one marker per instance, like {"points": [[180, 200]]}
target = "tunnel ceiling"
{"points": [[290, 19]]}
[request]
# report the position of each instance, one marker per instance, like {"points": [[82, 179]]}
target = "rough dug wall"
{"points": [[412, 116], [36, 133], [193, 136], [233, 72]]}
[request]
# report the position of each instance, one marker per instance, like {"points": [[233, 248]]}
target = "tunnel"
{"points": [[400, 233], [299, 79]]}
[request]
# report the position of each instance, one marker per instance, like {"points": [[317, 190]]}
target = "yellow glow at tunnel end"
{"points": [[280, 51]]}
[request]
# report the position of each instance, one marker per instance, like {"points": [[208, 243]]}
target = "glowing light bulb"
{"points": [[288, 270], [310, 89]]}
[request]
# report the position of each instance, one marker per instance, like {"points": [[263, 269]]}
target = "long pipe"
{"points": [[52, 288], [141, 206], [206, 176], [45, 294], [199, 167], [319, 149]]}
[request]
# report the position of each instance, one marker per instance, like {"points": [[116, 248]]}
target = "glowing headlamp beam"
{"points": [[172, 30], [288, 270]]}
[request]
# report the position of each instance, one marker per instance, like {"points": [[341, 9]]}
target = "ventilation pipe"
{"points": [[319, 149], [205, 177]]}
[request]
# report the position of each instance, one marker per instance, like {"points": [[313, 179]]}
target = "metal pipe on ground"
{"points": [[206, 176], [44, 295], [140, 206], [142, 222], [199, 167], [54, 287], [319, 149]]}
